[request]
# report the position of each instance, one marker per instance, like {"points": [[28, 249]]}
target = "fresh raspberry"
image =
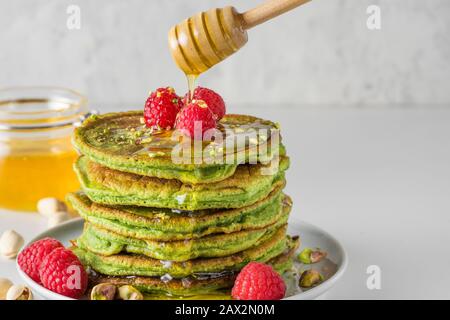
{"points": [[212, 99], [63, 273], [196, 111], [31, 257], [258, 281], [161, 108]]}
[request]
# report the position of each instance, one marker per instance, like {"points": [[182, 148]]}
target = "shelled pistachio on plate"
{"points": [[109, 291], [10, 244], [54, 210], [127, 292], [104, 291], [309, 256], [310, 278]]}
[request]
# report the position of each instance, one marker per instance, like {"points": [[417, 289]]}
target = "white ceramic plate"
{"points": [[332, 268], [310, 236]]}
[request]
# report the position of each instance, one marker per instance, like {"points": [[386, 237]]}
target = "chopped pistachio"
{"points": [[130, 293], [304, 256], [103, 291], [310, 278], [308, 255], [200, 103]]}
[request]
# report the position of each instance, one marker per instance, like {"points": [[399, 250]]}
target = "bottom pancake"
{"points": [[208, 285]]}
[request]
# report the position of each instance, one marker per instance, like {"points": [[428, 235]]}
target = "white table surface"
{"points": [[378, 180]]}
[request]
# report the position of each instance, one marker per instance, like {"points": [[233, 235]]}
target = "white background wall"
{"points": [[319, 55]]}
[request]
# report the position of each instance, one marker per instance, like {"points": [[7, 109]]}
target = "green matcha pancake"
{"points": [[138, 265], [167, 225], [248, 184], [216, 285], [107, 243], [120, 141]]}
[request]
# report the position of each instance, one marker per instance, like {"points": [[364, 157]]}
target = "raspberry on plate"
{"points": [[161, 108], [31, 257], [258, 281], [212, 99], [195, 118], [63, 273]]}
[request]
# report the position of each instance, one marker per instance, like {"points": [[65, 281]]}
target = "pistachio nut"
{"points": [[57, 218], [5, 284], [130, 293], [310, 278], [308, 256], [103, 291], [19, 292], [10, 244], [48, 206]]}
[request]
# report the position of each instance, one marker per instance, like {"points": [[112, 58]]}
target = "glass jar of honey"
{"points": [[36, 155]]}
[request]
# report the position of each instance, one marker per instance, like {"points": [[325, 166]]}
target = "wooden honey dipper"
{"points": [[205, 39]]}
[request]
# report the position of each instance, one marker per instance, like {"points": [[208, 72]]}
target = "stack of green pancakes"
{"points": [[173, 221]]}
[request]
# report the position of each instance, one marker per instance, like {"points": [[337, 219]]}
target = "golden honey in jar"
{"points": [[36, 154]]}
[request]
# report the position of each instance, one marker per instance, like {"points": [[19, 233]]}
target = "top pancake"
{"points": [[120, 141]]}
